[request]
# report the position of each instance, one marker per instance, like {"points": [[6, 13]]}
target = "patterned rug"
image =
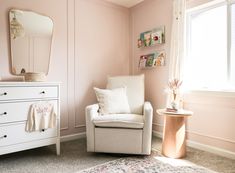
{"points": [[147, 164]]}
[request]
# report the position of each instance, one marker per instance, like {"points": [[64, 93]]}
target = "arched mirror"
{"points": [[31, 38]]}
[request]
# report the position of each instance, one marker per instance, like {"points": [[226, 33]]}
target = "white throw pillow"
{"points": [[112, 101], [135, 90]]}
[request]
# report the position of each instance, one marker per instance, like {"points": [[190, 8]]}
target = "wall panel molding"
{"points": [[76, 100], [84, 52], [70, 64], [76, 74], [67, 67], [67, 100]]}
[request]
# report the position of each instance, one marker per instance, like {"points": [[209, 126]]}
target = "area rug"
{"points": [[147, 164]]}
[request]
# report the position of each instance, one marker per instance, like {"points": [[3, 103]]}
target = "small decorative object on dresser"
{"points": [[174, 137], [16, 102], [34, 77]]}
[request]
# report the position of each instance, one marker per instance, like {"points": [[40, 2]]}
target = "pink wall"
{"points": [[91, 41], [101, 49], [145, 16], [213, 119]]}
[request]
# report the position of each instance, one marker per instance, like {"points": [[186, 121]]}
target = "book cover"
{"points": [[150, 60]]}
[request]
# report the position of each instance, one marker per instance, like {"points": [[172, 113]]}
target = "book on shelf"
{"points": [[157, 58], [147, 60]]}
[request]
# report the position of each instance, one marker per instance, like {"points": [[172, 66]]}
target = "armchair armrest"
{"points": [[91, 112], [148, 110], [147, 131]]}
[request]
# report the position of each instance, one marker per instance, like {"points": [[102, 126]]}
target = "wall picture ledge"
{"points": [[152, 37], [152, 60]]}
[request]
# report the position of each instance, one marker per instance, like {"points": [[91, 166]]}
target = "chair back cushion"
{"points": [[135, 90]]}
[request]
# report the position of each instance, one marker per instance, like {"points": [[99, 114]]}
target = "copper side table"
{"points": [[174, 136]]}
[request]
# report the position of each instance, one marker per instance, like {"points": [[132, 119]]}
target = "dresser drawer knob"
{"points": [[43, 130], [43, 92], [4, 113], [4, 136], [4, 94]]}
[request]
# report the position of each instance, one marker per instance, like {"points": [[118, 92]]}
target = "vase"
{"points": [[174, 104]]}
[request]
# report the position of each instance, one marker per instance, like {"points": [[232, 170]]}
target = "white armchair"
{"points": [[122, 133]]}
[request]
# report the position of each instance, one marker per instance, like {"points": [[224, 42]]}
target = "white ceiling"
{"points": [[126, 3]]}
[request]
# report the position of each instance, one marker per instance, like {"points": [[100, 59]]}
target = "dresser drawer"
{"points": [[18, 93], [15, 134], [19, 111]]}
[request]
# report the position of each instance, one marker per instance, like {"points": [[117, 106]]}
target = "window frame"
{"points": [[200, 9]]}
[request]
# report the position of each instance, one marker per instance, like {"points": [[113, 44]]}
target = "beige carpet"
{"points": [[74, 158]]}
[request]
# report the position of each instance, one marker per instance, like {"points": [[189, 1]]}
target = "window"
{"points": [[210, 62]]}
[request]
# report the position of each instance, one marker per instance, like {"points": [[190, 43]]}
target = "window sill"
{"points": [[209, 92]]}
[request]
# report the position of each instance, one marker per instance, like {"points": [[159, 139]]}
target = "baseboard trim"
{"points": [[204, 147], [157, 134], [211, 149], [72, 137]]}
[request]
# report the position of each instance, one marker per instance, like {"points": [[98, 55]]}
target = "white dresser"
{"points": [[16, 99]]}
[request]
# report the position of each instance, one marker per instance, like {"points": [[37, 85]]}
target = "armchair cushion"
{"points": [[112, 101], [133, 121], [135, 90]]}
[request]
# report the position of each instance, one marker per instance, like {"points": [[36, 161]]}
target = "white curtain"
{"points": [[177, 40], [177, 43]]}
